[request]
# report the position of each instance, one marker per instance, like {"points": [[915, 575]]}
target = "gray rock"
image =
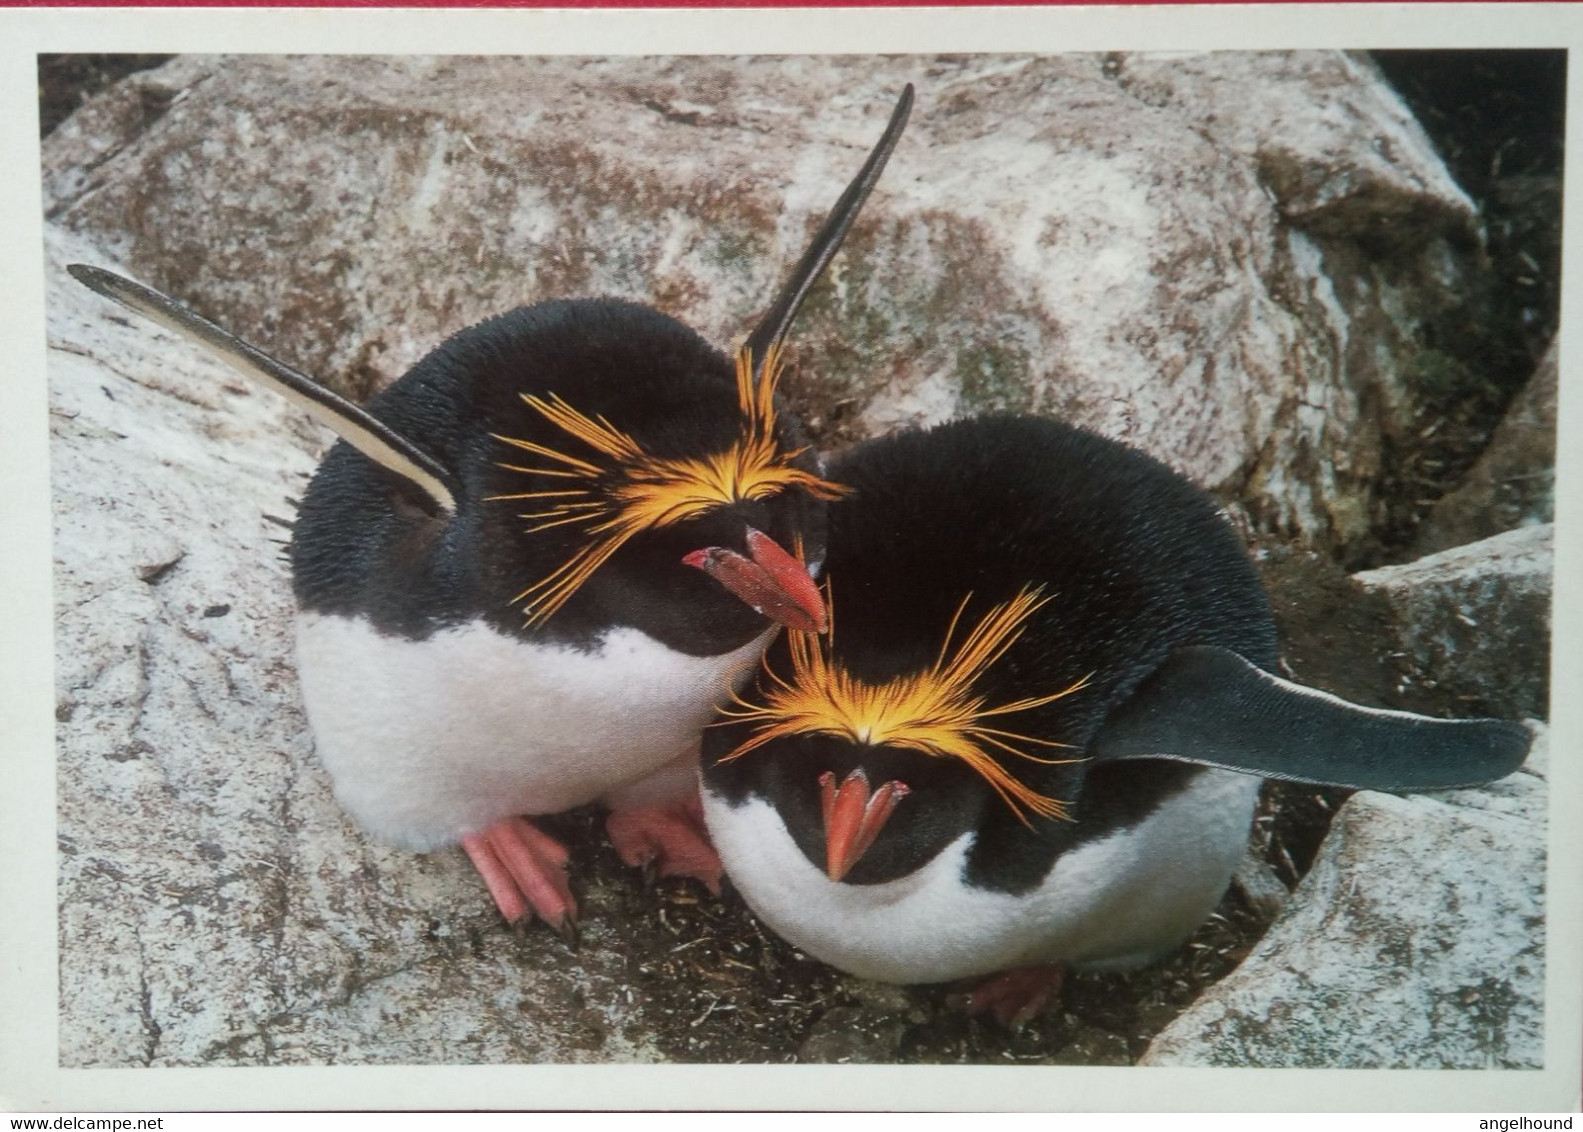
{"points": [[1513, 482], [1168, 249], [1260, 885], [1475, 620], [1416, 941]]}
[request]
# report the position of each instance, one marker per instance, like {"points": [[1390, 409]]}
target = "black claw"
{"points": [[650, 871], [567, 930]]}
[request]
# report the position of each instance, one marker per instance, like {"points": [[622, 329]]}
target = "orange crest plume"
{"points": [[618, 490], [934, 711]]}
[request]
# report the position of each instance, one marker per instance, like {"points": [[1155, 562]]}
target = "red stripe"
{"points": [[651, 4]]}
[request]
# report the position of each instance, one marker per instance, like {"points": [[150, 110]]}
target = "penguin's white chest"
{"points": [[1115, 902], [428, 740]]}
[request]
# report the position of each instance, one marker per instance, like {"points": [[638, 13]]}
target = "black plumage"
{"points": [[365, 544]]}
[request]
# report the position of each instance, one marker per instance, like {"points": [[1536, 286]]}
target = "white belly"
{"points": [[428, 740], [1114, 903]]}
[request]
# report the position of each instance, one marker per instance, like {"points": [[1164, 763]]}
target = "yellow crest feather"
{"points": [[934, 711], [619, 490]]}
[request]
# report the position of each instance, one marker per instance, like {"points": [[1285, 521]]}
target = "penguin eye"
{"points": [[934, 711], [618, 490]]}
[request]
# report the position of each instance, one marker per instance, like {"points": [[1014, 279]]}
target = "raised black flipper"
{"points": [[355, 425], [1208, 705], [777, 320]]}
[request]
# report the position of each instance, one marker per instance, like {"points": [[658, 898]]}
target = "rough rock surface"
{"points": [[1415, 941], [1077, 235], [1514, 482], [1476, 620], [1226, 259]]}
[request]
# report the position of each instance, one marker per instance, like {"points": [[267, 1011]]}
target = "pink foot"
{"points": [[1016, 996], [525, 869], [671, 840]]}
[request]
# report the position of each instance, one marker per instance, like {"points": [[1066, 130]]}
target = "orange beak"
{"points": [[853, 817], [769, 580]]}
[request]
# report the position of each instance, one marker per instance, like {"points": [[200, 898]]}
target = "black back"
{"points": [[1136, 562], [364, 545]]}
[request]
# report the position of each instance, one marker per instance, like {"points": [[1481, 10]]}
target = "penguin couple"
{"points": [[1019, 724]]}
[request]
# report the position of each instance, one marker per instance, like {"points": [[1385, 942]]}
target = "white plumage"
{"points": [[428, 740]]}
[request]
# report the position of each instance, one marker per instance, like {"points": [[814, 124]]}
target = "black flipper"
{"points": [[777, 320], [1210, 706], [351, 423]]}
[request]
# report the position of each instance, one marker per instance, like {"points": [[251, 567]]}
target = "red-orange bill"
{"points": [[767, 579], [853, 817]]}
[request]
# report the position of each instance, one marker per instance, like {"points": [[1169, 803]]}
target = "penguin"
{"points": [[532, 566], [1035, 732]]}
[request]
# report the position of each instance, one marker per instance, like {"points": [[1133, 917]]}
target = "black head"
{"points": [[862, 814], [646, 478], [879, 757], [598, 447]]}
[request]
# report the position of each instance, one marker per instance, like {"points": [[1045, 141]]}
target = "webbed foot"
{"points": [[525, 869], [1017, 996], [668, 841]]}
